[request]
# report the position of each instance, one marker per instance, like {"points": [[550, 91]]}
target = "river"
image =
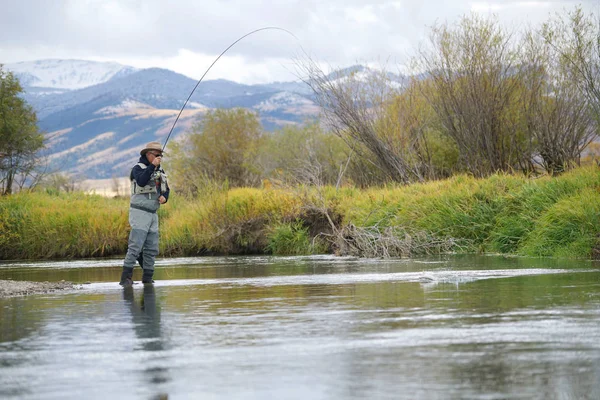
{"points": [[321, 327]]}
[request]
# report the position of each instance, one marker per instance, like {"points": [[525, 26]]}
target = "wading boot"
{"points": [[126, 277], [147, 276]]}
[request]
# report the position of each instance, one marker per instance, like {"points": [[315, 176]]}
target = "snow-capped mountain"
{"points": [[360, 73], [66, 74], [95, 111], [97, 115], [286, 101]]}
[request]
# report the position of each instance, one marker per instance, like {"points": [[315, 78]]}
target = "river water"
{"points": [[452, 327]]}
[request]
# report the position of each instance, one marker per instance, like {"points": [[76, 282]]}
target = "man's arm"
{"points": [[142, 176]]}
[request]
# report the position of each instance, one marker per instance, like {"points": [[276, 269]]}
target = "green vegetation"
{"points": [[220, 148], [65, 225], [293, 238], [20, 138], [547, 216]]}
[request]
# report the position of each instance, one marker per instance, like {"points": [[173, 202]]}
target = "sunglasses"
{"points": [[155, 154]]}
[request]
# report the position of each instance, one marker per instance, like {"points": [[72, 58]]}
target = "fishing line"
{"points": [[211, 65]]}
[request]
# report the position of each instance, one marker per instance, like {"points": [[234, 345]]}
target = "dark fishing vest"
{"points": [[156, 184]]}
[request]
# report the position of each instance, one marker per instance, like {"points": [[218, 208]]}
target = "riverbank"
{"points": [[507, 214], [21, 288]]}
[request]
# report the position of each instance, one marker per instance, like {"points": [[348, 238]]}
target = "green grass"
{"points": [[293, 239], [568, 228], [548, 216], [41, 225]]}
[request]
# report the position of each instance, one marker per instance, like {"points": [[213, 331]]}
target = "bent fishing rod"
{"points": [[211, 65]]}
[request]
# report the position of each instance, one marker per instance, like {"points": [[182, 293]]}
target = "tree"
{"points": [[474, 71], [576, 39], [20, 138], [304, 154], [417, 128], [558, 113], [357, 109], [222, 146]]}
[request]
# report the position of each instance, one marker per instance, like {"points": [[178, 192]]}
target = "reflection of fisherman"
{"points": [[146, 323], [149, 189], [146, 316]]}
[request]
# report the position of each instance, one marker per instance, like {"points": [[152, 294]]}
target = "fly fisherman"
{"points": [[149, 189]]}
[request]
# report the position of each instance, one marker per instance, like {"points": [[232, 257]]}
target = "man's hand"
{"points": [[156, 161], [162, 200]]}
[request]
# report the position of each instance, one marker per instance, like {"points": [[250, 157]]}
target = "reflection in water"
{"points": [[146, 323], [16, 319], [304, 328]]}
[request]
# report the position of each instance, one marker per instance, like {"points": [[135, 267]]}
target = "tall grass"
{"points": [[42, 225], [293, 238], [227, 221], [548, 216], [502, 213], [568, 228]]}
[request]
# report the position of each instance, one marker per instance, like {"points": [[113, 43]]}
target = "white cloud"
{"points": [[362, 15], [187, 35], [486, 7], [500, 6]]}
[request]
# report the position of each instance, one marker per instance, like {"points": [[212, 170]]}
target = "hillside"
{"points": [[98, 115]]}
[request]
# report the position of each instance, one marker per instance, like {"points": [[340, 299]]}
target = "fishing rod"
{"points": [[211, 65]]}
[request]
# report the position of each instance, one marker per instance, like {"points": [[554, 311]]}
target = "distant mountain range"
{"points": [[98, 115]]}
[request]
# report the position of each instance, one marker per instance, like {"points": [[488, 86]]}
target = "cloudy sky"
{"points": [[187, 35]]}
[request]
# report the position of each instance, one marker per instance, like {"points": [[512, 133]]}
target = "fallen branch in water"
{"points": [[387, 242]]}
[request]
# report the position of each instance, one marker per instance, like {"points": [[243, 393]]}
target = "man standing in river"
{"points": [[149, 189]]}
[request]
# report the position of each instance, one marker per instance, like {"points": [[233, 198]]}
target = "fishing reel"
{"points": [[156, 175]]}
